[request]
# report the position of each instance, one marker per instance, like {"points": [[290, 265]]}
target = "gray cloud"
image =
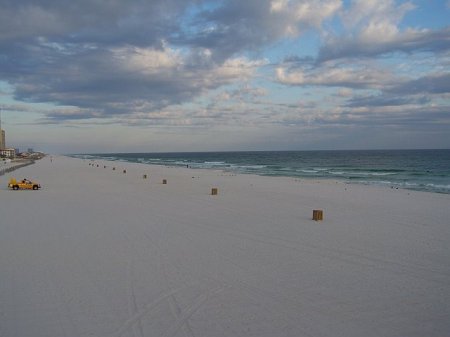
{"points": [[86, 21], [356, 75], [63, 53], [105, 82], [139, 62], [372, 28], [412, 115], [386, 100], [237, 25], [407, 42], [410, 92], [109, 58], [432, 84]]}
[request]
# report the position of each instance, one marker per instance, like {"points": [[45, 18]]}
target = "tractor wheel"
{"points": [[15, 187], [35, 187]]}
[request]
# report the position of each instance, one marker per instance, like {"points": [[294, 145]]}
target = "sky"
{"points": [[92, 76]]}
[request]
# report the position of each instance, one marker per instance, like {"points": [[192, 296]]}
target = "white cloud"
{"points": [[134, 80], [200, 64], [340, 76], [299, 15], [278, 5], [236, 26], [148, 60], [315, 12], [375, 12], [237, 68], [372, 28], [345, 92]]}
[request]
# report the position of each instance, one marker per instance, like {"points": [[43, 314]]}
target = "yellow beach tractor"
{"points": [[23, 184]]}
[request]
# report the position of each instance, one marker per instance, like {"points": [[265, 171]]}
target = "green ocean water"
{"points": [[424, 170]]}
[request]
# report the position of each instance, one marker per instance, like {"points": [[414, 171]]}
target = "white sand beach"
{"points": [[99, 252]]}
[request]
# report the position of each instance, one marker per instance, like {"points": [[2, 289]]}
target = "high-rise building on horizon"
{"points": [[2, 140], [2, 134]]}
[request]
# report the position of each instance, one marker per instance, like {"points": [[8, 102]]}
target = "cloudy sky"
{"points": [[202, 75]]}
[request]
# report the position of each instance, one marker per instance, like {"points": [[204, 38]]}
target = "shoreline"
{"points": [[333, 180], [417, 170], [142, 168], [105, 252]]}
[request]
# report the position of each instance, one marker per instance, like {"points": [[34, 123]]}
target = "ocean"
{"points": [[423, 170]]}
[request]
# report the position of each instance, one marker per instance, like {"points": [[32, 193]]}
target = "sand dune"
{"points": [[99, 252]]}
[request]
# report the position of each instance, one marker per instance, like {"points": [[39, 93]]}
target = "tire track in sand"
{"points": [[146, 309], [189, 311], [132, 307], [162, 270]]}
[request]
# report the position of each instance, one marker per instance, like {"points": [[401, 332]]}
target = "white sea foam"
{"points": [[309, 171]]}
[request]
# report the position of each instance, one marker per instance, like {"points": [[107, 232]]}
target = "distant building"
{"points": [[8, 153], [2, 140], [2, 134]]}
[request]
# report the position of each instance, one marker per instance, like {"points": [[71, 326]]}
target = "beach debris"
{"points": [[144, 176], [164, 181], [317, 215], [124, 171], [214, 191]]}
